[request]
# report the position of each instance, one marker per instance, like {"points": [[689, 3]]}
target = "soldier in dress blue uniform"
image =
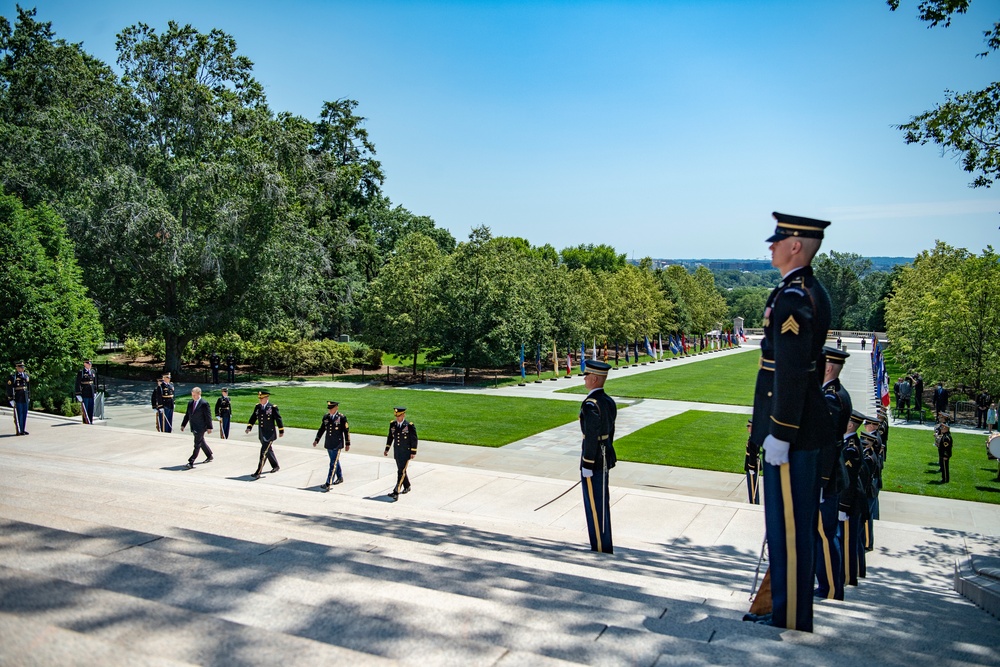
{"points": [[790, 418], [19, 397], [852, 501], [869, 466], [751, 465], [213, 362], [269, 428], [338, 438], [875, 462], [403, 442], [163, 403], [231, 367], [86, 390], [224, 413], [597, 421], [945, 447], [833, 479]]}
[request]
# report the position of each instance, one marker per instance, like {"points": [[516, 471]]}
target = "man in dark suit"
{"points": [[403, 442], [598, 413], [270, 428], [790, 417], [200, 416]]}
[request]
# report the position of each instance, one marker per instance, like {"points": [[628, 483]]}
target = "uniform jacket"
{"points": [[853, 496], [832, 473], [336, 430], [788, 402], [163, 395], [223, 406], [86, 383], [199, 415], [944, 444], [214, 361], [597, 421], [268, 419], [18, 389], [402, 438]]}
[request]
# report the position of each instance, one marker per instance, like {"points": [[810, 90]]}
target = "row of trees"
{"points": [[944, 317]]}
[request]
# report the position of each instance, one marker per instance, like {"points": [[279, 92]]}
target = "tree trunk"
{"points": [[173, 347]]}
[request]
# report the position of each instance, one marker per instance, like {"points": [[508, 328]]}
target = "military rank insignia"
{"points": [[790, 325]]}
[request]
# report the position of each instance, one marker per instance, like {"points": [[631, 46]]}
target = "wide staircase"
{"points": [[109, 559]]}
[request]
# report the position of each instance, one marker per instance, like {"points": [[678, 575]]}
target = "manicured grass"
{"points": [[717, 441], [692, 439], [473, 419], [725, 379]]}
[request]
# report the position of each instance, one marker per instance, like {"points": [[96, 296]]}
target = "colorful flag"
{"points": [[594, 350], [538, 359], [569, 363], [659, 353], [522, 362], [555, 358], [649, 350], [583, 356]]}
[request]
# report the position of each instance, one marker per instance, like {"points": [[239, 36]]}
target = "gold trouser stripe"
{"points": [[868, 536], [847, 550], [593, 512], [791, 555], [263, 455], [753, 488], [399, 484], [827, 561], [17, 426]]}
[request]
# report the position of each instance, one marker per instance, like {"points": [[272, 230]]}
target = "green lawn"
{"points": [[717, 441], [725, 379], [473, 419]]}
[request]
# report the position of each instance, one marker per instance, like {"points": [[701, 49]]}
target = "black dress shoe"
{"points": [[189, 466], [338, 481], [757, 618], [208, 460], [275, 469], [406, 490], [394, 496], [325, 487], [255, 476]]}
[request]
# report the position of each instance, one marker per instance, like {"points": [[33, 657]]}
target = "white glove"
{"points": [[586, 472], [160, 410], [11, 403], [775, 451], [79, 398], [841, 516]]}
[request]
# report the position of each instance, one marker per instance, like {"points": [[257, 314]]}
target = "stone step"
{"points": [[24, 641], [160, 630]]}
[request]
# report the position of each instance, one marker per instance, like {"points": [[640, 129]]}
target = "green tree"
{"points": [[46, 318], [841, 274], [594, 257], [399, 306], [748, 303], [966, 125], [943, 316]]}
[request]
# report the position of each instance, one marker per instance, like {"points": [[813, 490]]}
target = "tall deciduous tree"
{"points": [[46, 318], [966, 125], [944, 316], [400, 304], [841, 274]]}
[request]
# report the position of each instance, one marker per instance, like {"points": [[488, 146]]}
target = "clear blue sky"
{"points": [[665, 129]]}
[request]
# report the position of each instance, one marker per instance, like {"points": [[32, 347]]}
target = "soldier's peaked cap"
{"points": [[793, 225], [262, 394], [331, 404], [19, 364], [597, 368], [835, 356], [865, 435], [857, 417], [399, 410]]}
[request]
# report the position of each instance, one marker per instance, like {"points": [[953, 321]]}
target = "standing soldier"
{"points": [[597, 421], [163, 403], [852, 500], [269, 428], [86, 390], [833, 478], [338, 437], [231, 367], [982, 406], [19, 397], [944, 445], [751, 464], [224, 413], [213, 361], [790, 417], [403, 441]]}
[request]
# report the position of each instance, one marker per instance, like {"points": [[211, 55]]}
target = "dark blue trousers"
{"points": [[597, 508], [829, 556], [791, 508], [225, 425], [850, 535], [335, 471], [88, 410], [20, 417]]}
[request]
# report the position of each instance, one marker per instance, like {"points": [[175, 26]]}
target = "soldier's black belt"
{"points": [[768, 365]]}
